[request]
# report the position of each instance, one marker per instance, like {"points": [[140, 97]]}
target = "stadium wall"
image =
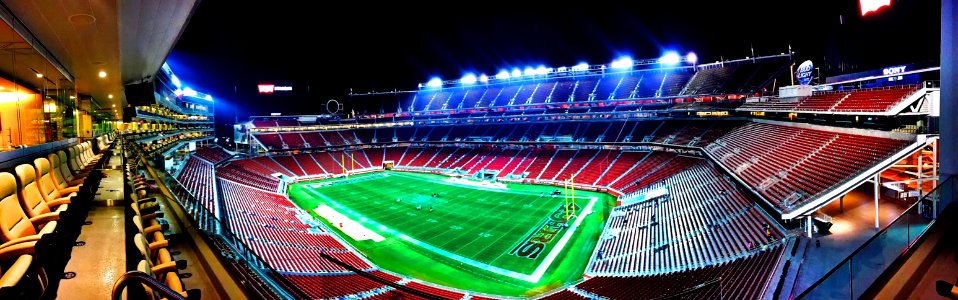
{"points": [[949, 96]]}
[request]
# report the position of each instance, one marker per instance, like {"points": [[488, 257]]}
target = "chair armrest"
{"points": [[44, 218], [22, 239], [152, 229], [158, 245], [169, 266], [58, 202], [8, 253], [70, 190], [13, 274]]}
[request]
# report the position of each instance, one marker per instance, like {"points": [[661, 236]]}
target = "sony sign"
{"points": [[804, 73], [893, 70]]}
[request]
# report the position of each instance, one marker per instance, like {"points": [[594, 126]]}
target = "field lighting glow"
{"points": [[434, 82], [469, 78], [624, 62], [670, 58]]}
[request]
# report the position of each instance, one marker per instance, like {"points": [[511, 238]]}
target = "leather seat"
{"points": [[31, 199], [15, 227], [68, 174], [48, 185], [57, 169]]}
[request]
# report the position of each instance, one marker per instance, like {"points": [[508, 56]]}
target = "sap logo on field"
{"points": [[893, 70]]}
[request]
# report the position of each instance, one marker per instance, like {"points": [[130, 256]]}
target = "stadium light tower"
{"points": [[502, 75], [469, 78], [692, 58], [529, 71], [582, 66], [542, 70], [624, 62], [434, 82], [516, 73], [483, 78], [670, 58]]}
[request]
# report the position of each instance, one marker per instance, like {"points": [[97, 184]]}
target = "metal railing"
{"points": [[133, 277], [856, 273]]}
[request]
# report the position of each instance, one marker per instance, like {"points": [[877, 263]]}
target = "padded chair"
{"points": [[31, 200], [68, 175], [57, 169], [158, 257], [48, 184], [169, 279], [15, 227]]}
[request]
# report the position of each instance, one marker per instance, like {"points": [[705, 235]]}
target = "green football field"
{"points": [[509, 242]]}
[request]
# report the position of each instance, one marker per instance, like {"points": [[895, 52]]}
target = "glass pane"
{"points": [[919, 221], [835, 286], [877, 255]]}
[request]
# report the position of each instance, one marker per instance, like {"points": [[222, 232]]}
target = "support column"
{"points": [[808, 225], [934, 162], [921, 168], [877, 183], [947, 123], [841, 204]]}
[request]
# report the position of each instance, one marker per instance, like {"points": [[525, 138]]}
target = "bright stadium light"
{"points": [[469, 78], [208, 97], [624, 62], [503, 75], [670, 58], [692, 58], [516, 73], [542, 70], [434, 82], [562, 70], [189, 92], [582, 66], [483, 78], [175, 80], [529, 71]]}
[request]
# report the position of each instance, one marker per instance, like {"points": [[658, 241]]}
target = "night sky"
{"points": [[231, 45]]}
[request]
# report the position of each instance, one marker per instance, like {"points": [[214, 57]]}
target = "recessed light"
{"points": [[39, 75], [110, 96], [114, 105], [102, 74]]}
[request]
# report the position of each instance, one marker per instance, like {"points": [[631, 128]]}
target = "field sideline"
{"points": [[513, 242]]}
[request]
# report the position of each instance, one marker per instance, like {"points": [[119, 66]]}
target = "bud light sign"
{"points": [[804, 73]]}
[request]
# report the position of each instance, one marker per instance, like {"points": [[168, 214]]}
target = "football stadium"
{"points": [[291, 150]]}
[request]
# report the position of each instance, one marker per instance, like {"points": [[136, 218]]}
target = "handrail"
{"points": [[693, 289], [870, 240], [142, 278]]}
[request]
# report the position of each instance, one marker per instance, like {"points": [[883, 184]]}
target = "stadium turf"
{"points": [[491, 241]]}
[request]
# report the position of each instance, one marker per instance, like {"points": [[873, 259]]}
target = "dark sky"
{"points": [[367, 46]]}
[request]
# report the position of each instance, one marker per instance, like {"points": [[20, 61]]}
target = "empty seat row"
{"points": [[43, 205]]}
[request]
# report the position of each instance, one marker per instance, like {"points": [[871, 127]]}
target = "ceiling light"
{"points": [[39, 75], [102, 74], [110, 96], [114, 105]]}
